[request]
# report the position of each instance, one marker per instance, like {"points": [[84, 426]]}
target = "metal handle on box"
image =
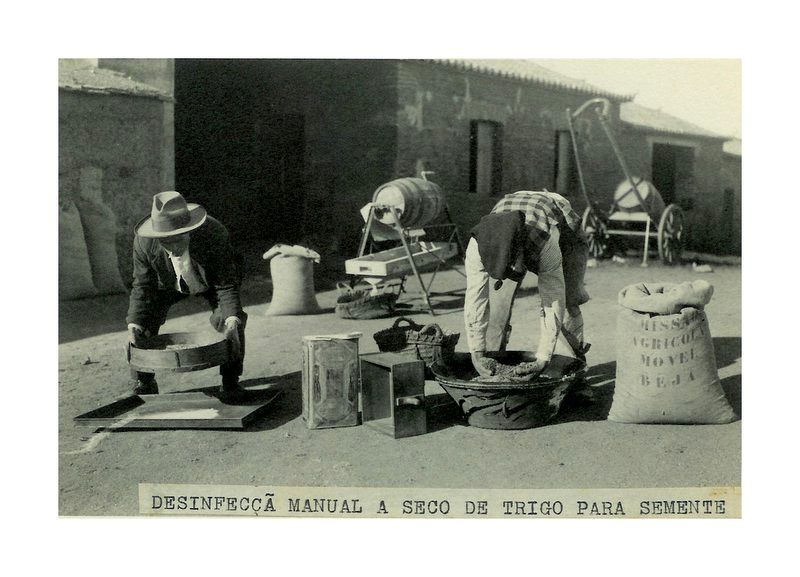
{"points": [[413, 400]]}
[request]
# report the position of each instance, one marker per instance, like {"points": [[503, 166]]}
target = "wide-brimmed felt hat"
{"points": [[171, 215]]}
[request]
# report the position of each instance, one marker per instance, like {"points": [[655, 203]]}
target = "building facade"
{"points": [[290, 150]]}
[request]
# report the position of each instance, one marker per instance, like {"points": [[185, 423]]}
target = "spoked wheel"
{"points": [[671, 231], [594, 225]]}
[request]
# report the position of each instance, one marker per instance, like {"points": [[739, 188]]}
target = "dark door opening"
{"points": [[673, 171], [727, 228], [278, 183], [485, 157], [236, 154]]}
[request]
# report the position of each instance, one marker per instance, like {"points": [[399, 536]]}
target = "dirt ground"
{"points": [[99, 471]]}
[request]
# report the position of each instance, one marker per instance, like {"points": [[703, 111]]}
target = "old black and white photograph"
{"points": [[393, 273], [315, 287]]}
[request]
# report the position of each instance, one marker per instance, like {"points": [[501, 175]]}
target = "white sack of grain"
{"points": [[100, 231], [666, 368], [74, 271]]}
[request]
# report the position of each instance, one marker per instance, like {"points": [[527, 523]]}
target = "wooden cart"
{"points": [[636, 208]]}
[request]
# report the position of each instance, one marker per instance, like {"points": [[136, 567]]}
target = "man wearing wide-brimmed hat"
{"points": [[179, 251]]}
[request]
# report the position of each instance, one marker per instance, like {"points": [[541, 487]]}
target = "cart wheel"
{"points": [[671, 229], [594, 226]]}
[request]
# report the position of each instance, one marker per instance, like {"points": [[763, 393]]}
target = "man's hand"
{"points": [[485, 366], [136, 336], [530, 370], [231, 333]]}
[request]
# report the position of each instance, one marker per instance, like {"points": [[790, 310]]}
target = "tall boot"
{"points": [[143, 383]]}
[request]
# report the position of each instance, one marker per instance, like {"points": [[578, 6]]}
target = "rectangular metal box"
{"points": [[393, 394], [330, 380]]}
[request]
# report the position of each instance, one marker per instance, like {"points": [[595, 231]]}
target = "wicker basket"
{"points": [[360, 304], [426, 343]]}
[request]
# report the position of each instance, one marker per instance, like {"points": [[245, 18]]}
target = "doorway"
{"points": [[673, 171], [485, 157], [237, 153]]}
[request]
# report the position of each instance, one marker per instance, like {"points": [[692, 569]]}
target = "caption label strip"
{"points": [[350, 502]]}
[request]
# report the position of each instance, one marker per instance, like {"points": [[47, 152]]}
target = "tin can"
{"points": [[331, 378]]}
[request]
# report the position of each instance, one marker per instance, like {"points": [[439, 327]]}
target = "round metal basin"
{"points": [[508, 405]]}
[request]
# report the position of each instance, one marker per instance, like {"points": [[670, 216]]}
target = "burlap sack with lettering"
{"points": [[666, 370], [74, 272]]}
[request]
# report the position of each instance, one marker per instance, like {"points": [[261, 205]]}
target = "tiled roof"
{"points": [[86, 78], [655, 120], [529, 71]]}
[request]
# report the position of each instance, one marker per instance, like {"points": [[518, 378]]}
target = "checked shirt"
{"points": [[543, 210]]}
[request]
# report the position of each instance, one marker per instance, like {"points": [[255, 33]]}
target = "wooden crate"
{"points": [[393, 394]]}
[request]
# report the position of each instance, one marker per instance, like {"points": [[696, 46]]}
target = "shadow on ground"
{"points": [[287, 407], [578, 406], [727, 351], [732, 387], [443, 413]]}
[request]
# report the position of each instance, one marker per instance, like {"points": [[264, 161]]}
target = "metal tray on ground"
{"points": [[177, 411], [179, 352]]}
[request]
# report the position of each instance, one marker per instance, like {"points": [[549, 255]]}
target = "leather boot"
{"points": [[231, 388], [143, 383]]}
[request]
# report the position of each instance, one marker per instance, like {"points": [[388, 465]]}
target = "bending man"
{"points": [[180, 251], [526, 231]]}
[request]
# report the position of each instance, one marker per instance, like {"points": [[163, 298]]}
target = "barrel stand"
{"points": [[432, 261]]}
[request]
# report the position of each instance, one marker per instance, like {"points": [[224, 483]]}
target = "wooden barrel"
{"points": [[419, 202], [626, 201]]}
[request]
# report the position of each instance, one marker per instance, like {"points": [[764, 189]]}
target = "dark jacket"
{"points": [[210, 247], [500, 236]]}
